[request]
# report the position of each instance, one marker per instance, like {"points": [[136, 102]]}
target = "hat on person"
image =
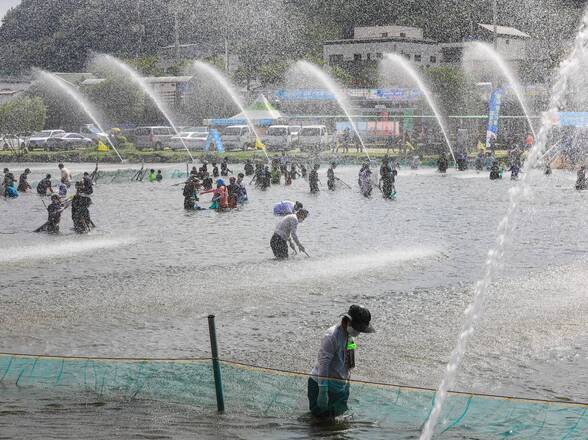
{"points": [[360, 318], [220, 182]]}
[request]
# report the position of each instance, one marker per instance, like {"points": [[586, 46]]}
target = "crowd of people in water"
{"points": [[229, 191]]}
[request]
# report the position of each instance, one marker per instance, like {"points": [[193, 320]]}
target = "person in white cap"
{"points": [[328, 385]]}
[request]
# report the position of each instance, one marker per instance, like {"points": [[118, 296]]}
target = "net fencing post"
{"points": [[218, 383]]}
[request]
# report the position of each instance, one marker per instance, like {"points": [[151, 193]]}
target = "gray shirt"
{"points": [[286, 228], [331, 357]]}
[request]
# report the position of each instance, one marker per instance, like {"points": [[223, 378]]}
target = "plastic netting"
{"points": [[261, 392]]}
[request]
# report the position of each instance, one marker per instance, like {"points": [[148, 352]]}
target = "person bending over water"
{"points": [[80, 212], [328, 385], [286, 207], [285, 233], [23, 183], [44, 186], [54, 211]]}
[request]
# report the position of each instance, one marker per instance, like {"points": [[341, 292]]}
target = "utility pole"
{"points": [[494, 21], [175, 5], [227, 36]]}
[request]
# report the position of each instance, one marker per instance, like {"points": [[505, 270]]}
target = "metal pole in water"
{"points": [[218, 383]]}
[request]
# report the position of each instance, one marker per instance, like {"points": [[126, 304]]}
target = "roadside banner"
{"points": [[493, 115]]}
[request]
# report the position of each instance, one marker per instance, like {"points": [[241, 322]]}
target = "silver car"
{"points": [[39, 138], [156, 137], [192, 141]]}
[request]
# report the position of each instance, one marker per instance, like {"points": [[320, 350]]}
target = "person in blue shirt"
{"points": [[286, 207]]}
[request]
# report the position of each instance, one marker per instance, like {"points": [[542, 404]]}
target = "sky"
{"points": [[5, 5]]}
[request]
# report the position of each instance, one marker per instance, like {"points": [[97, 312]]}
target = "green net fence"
{"points": [[261, 392]]}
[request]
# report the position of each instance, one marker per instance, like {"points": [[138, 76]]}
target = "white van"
{"points": [[281, 137], [153, 137], [238, 137], [315, 138]]}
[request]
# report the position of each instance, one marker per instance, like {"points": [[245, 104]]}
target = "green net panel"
{"points": [[260, 392]]}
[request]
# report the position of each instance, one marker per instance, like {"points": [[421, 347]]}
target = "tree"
{"points": [[120, 100], [22, 115]]}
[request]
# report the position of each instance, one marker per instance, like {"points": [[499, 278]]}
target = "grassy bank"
{"points": [[132, 155]]}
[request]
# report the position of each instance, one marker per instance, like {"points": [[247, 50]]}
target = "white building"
{"points": [[371, 43]]}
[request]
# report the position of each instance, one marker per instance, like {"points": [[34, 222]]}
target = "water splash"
{"points": [[504, 229], [139, 81], [491, 54], [329, 83], [217, 76], [62, 249], [406, 67], [75, 96]]}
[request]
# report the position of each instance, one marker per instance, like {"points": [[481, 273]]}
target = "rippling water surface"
{"points": [[142, 284]]}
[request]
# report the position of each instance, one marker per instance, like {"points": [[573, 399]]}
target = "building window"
{"points": [[433, 59], [356, 57], [379, 55], [384, 34], [402, 35], [417, 58], [336, 58]]}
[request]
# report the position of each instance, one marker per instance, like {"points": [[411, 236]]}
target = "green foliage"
{"points": [[22, 115], [342, 75], [453, 92], [145, 65], [272, 73], [119, 99]]}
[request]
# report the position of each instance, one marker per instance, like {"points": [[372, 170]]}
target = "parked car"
{"points": [[238, 137], [281, 137], [315, 138], [12, 142], [93, 132], [39, 138], [192, 141], [68, 141], [156, 137]]}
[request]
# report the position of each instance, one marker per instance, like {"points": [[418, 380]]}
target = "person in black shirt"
{"points": [[233, 190], [313, 179], [159, 176], [331, 177], [80, 213], [387, 179], [249, 170], [44, 185], [54, 210], [215, 172], [225, 167], [23, 183]]}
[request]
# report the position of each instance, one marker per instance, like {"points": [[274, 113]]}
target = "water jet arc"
{"points": [[329, 83], [405, 66], [217, 76], [75, 96], [137, 79]]}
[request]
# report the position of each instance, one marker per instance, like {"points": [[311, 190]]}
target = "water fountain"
{"points": [[472, 312], [137, 79], [217, 76], [75, 96], [401, 63], [314, 71], [490, 54]]}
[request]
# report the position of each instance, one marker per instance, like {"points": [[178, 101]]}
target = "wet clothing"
{"points": [[88, 185], [285, 232], [334, 361], [242, 196], [62, 190], [52, 226], [276, 176], [338, 393], [479, 164], [11, 192], [303, 171], [514, 172], [285, 207], [80, 213], [279, 247], [249, 170], [215, 171], [331, 179], [159, 177], [233, 193], [43, 186], [225, 169], [365, 182], [387, 181], [190, 194], [495, 172], [581, 182], [152, 177], [443, 164], [23, 183], [313, 181]]}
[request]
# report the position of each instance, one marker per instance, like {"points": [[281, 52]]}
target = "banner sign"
{"points": [[493, 115], [388, 95], [569, 119]]}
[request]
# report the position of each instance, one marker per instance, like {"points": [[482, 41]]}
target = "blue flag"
{"points": [[214, 136], [493, 115]]}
